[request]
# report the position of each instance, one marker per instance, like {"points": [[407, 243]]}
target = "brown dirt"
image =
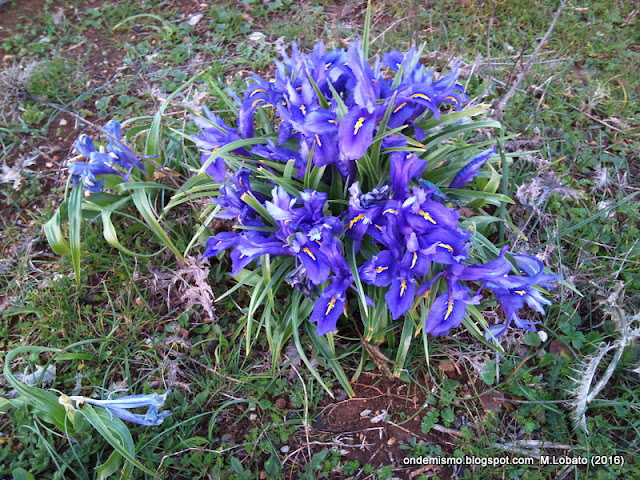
{"points": [[359, 428]]}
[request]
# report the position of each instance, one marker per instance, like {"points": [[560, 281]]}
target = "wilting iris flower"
{"points": [[121, 407]]}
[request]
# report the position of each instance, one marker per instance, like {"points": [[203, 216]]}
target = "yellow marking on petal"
{"points": [[421, 95], [113, 155], [445, 246], [327, 65], [272, 80], [298, 88], [415, 259], [454, 99], [374, 80], [318, 140], [390, 210], [521, 292], [288, 220], [332, 304], [358, 125], [399, 107], [303, 109], [257, 90], [89, 182], [335, 122], [408, 156], [326, 225], [319, 243], [459, 84], [426, 216], [256, 102], [356, 220], [403, 287], [470, 227], [449, 307], [378, 227], [310, 253], [381, 269]]}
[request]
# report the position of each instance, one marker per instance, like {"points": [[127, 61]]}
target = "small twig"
{"points": [[525, 70], [596, 119], [306, 407]]}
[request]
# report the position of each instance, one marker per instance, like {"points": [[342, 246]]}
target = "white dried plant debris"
{"points": [[601, 178], [188, 285], [534, 193], [174, 374], [629, 329], [15, 174], [14, 86], [194, 100], [39, 377], [538, 161]]}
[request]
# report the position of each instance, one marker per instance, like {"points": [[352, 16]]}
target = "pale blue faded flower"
{"points": [[120, 407]]}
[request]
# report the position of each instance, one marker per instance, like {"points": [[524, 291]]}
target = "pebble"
{"points": [[63, 122], [253, 417], [365, 413], [284, 449], [195, 19]]}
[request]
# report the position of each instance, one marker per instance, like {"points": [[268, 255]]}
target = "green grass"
{"points": [[579, 110]]}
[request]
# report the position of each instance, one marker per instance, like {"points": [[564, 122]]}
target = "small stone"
{"points": [[281, 402], [195, 19], [284, 448], [365, 413], [253, 417], [263, 474], [63, 122], [391, 441], [48, 165]]}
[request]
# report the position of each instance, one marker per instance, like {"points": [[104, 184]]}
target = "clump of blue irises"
{"points": [[336, 118], [331, 107]]}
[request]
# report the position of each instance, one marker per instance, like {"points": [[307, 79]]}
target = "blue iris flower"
{"points": [[471, 169], [114, 159], [447, 310]]}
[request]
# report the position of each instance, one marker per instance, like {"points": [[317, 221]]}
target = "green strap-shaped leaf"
{"points": [[55, 237], [116, 433], [75, 224], [143, 204]]}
